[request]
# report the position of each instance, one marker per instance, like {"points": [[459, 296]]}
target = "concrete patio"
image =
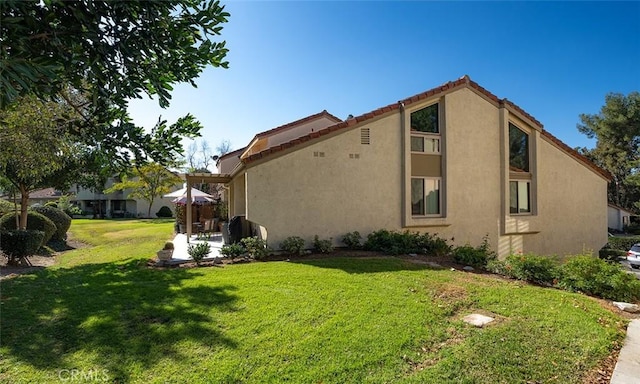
{"points": [[180, 244]]}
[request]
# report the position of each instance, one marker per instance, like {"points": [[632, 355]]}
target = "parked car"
{"points": [[633, 256]]}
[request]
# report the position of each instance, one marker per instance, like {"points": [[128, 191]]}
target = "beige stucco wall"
{"points": [[300, 194], [303, 195], [572, 205]]}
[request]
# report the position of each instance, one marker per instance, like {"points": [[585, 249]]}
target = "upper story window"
{"points": [[518, 149], [425, 120]]}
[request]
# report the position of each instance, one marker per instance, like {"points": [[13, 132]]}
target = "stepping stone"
{"points": [[477, 320], [632, 308]]}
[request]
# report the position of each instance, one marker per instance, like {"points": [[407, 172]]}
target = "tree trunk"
{"points": [[24, 204], [149, 210]]}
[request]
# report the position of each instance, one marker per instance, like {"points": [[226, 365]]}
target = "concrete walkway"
{"points": [[627, 370], [181, 255]]}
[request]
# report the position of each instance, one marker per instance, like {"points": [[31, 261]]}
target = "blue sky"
{"points": [[288, 60]]}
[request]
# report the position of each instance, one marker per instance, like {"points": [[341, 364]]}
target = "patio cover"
{"points": [[219, 178]]}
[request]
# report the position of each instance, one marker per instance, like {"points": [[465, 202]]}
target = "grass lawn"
{"points": [[102, 312]]}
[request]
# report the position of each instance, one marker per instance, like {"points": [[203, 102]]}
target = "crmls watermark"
{"points": [[75, 374]]}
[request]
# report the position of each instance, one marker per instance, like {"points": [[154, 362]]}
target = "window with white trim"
{"points": [[425, 196]]}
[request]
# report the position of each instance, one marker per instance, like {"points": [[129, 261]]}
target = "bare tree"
{"points": [[206, 154], [223, 148]]}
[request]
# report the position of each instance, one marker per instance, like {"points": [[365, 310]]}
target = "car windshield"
{"points": [[636, 248]]}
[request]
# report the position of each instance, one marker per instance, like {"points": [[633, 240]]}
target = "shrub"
{"points": [[256, 248], [232, 250], [623, 243], [293, 245], [352, 240], [497, 266], [532, 268], [199, 251], [7, 207], [610, 254], [322, 246], [64, 203], [632, 228], [17, 244], [598, 277], [61, 220], [164, 211], [397, 243], [478, 256], [168, 246], [35, 221]]}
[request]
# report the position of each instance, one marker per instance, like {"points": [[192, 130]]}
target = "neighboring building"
{"points": [[43, 196], [119, 203], [455, 160], [618, 217]]}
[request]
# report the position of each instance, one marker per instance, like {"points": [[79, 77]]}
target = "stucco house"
{"points": [[618, 217], [455, 160], [118, 203]]}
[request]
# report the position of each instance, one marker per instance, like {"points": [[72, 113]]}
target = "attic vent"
{"points": [[365, 137]]}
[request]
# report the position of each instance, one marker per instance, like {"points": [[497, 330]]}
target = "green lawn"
{"points": [[358, 320]]}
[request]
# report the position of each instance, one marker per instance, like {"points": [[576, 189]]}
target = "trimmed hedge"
{"points": [[18, 244], [61, 220], [35, 221], [164, 211], [623, 243]]}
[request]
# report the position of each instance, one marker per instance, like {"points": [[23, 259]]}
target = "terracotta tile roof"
{"points": [[292, 124], [464, 81]]}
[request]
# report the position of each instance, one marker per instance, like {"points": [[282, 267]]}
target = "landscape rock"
{"points": [[468, 268], [477, 320], [433, 264], [627, 307]]}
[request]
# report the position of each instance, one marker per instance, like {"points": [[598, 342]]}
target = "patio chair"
{"points": [[208, 228]]}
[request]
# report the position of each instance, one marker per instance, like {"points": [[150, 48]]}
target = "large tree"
{"points": [[36, 148], [147, 182], [110, 52], [617, 130]]}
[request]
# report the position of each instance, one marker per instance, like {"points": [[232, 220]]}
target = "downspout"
{"points": [[403, 169]]}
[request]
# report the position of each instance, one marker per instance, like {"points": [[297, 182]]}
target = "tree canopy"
{"points": [[147, 182], [36, 148], [617, 130], [98, 55]]}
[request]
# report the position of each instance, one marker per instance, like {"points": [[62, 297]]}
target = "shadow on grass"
{"points": [[363, 264], [114, 316]]}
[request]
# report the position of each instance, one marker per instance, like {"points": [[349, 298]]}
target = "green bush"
{"points": [[532, 268], [476, 256], [7, 207], [352, 240], [256, 248], [64, 203], [322, 246], [611, 254], [199, 251], [164, 211], [632, 228], [232, 250], [293, 245], [623, 243], [61, 220], [398, 243], [18, 244], [35, 221], [598, 277]]}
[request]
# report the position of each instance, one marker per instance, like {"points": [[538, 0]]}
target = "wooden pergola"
{"points": [[214, 178]]}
